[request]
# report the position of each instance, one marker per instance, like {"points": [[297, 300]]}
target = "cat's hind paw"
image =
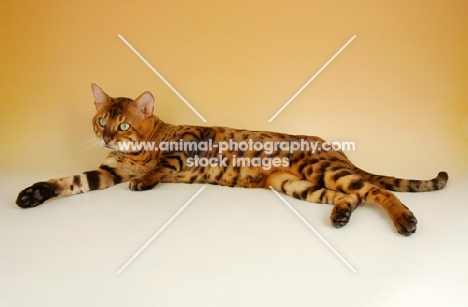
{"points": [[406, 223], [340, 216], [35, 195]]}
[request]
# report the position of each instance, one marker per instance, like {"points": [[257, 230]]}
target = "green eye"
{"points": [[124, 126], [102, 122]]}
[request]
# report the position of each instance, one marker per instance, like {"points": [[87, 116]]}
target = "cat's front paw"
{"points": [[405, 223], [141, 184], [35, 195]]}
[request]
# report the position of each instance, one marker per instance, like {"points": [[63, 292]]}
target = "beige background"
{"points": [[399, 90]]}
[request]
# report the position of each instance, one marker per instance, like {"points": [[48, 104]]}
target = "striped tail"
{"points": [[404, 185]]}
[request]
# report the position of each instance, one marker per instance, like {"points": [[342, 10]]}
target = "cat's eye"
{"points": [[124, 126], [102, 122]]}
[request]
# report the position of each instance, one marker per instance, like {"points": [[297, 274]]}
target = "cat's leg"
{"points": [[149, 180], [292, 185], [108, 174], [403, 219], [167, 166]]}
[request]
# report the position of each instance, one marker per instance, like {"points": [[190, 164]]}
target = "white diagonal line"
{"points": [[161, 77], [311, 79], [160, 230], [315, 231]]}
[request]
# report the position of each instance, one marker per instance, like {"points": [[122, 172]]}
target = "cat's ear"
{"points": [[100, 98], [144, 104]]}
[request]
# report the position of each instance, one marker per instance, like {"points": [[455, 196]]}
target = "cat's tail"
{"points": [[404, 185]]}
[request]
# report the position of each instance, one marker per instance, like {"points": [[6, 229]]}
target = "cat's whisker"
{"points": [[85, 138], [85, 150], [86, 144]]}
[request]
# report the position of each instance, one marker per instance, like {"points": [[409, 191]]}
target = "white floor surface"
{"points": [[229, 247]]}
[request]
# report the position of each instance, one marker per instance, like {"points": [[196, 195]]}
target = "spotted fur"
{"points": [[319, 177]]}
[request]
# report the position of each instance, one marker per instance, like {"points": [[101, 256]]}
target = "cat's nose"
{"points": [[106, 139]]}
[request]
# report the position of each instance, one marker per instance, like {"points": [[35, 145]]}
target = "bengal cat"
{"points": [[321, 176]]}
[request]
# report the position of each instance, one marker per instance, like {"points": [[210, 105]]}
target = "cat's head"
{"points": [[122, 119]]}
